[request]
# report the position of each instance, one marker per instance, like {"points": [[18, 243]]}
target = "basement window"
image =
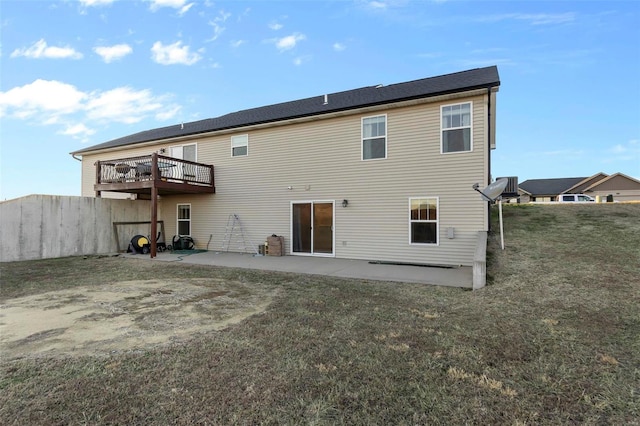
{"points": [[423, 220], [184, 219]]}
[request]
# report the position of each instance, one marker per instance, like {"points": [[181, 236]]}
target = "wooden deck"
{"points": [[153, 175], [141, 175]]}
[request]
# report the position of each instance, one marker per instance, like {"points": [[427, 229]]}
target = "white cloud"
{"points": [[531, 18], [429, 55], [217, 30], [40, 49], [216, 24], [181, 5], [48, 97], [289, 42], [222, 16], [275, 26], [546, 18], [54, 103], [123, 105], [89, 3], [184, 9], [173, 54], [78, 131], [237, 43], [377, 5], [168, 113], [339, 47], [113, 53], [301, 60], [624, 152], [619, 149]]}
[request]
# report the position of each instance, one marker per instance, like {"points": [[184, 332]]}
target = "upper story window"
{"points": [[184, 152], [182, 171], [374, 137], [239, 146], [423, 220], [456, 128]]}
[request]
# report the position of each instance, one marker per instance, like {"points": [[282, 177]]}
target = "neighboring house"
{"points": [[618, 186], [376, 173], [544, 190]]}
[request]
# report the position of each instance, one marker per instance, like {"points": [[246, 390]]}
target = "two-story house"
{"points": [[379, 173]]}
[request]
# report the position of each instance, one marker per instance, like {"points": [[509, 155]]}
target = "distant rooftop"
{"points": [[539, 187]]}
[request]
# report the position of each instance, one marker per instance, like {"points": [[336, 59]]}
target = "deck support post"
{"points": [[98, 173], [154, 204]]}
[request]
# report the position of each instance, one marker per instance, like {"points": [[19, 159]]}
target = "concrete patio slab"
{"points": [[344, 268]]}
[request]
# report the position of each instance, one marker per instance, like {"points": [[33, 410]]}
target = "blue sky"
{"points": [[79, 73]]}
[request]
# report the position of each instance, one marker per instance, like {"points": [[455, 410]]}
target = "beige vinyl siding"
{"points": [[622, 189], [321, 160], [617, 183], [89, 168], [619, 195]]}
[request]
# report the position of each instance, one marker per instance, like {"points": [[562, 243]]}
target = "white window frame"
{"points": [[436, 221], [470, 127], [240, 141], [362, 138], [178, 220], [182, 170], [333, 228], [182, 150]]}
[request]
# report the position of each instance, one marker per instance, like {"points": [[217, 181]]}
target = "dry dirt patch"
{"points": [[123, 316]]}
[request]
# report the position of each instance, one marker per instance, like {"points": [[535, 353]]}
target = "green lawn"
{"points": [[553, 339]]}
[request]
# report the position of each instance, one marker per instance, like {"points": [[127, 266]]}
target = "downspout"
{"points": [[489, 153], [76, 158]]}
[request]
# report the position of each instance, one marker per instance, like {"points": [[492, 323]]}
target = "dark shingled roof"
{"points": [[539, 187], [341, 101]]}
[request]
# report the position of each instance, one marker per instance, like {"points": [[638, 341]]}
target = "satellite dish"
{"points": [[493, 192]]}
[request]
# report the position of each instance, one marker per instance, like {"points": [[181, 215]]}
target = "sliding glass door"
{"points": [[312, 227]]}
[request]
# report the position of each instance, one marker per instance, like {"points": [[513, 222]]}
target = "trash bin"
{"points": [[610, 198]]}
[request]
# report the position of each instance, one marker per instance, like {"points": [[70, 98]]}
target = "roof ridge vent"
{"points": [[379, 86]]}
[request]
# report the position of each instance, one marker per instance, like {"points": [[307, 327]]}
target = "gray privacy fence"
{"points": [[46, 226]]}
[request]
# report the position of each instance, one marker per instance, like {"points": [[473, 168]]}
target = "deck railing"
{"points": [[153, 167]]}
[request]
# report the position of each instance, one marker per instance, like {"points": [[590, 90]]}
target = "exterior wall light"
{"points": [[345, 203]]}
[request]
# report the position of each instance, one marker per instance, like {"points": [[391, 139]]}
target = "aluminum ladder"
{"points": [[235, 233]]}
